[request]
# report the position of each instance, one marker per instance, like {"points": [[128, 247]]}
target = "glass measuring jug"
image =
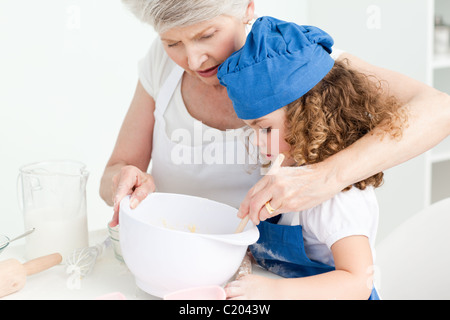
{"points": [[52, 196]]}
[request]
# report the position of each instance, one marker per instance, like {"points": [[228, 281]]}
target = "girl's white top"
{"points": [[350, 213]]}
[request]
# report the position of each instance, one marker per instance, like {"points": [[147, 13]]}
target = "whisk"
{"points": [[81, 262]]}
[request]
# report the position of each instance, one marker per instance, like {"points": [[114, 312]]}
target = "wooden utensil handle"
{"points": [[42, 263], [273, 170], [242, 224], [12, 277]]}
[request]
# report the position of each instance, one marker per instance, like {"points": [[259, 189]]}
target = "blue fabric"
{"points": [[280, 249], [279, 63]]}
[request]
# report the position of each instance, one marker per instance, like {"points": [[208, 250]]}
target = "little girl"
{"points": [[284, 81]]}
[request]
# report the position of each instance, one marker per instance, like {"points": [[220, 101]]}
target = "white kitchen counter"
{"points": [[108, 275]]}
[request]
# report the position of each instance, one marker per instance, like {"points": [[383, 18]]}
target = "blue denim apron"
{"points": [[280, 249]]}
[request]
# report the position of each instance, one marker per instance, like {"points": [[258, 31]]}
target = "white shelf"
{"points": [[441, 61], [441, 152], [440, 157]]}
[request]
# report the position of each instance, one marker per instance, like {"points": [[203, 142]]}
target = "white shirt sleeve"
{"points": [[354, 212]]}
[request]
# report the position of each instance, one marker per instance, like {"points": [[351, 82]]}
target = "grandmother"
{"points": [[182, 120]]}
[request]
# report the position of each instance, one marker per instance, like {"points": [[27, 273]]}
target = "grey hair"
{"points": [[167, 14]]}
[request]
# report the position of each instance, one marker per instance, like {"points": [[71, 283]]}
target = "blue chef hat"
{"points": [[279, 63]]}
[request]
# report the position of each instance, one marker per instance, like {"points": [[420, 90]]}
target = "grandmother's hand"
{"points": [[130, 180], [290, 189]]}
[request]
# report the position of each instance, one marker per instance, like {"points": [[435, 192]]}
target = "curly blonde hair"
{"points": [[338, 111]]}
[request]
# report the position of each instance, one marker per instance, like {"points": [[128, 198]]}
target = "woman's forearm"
{"points": [[428, 124], [428, 112], [134, 143]]}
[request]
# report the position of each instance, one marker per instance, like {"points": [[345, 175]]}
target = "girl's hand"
{"points": [[290, 189], [130, 181], [252, 287]]}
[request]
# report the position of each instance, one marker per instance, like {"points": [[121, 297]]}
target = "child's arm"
{"points": [[352, 278]]}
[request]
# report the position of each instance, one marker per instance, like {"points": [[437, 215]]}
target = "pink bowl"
{"points": [[199, 293]]}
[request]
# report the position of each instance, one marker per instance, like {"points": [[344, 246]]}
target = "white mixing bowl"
{"points": [[172, 242]]}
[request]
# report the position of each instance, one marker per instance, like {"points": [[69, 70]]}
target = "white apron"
{"points": [[224, 179]]}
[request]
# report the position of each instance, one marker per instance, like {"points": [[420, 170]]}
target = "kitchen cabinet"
{"points": [[398, 35]]}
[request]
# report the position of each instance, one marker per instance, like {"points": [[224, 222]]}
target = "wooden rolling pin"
{"points": [[13, 274]]}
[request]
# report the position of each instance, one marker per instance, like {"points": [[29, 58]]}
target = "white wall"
{"points": [[289, 10], [67, 74]]}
